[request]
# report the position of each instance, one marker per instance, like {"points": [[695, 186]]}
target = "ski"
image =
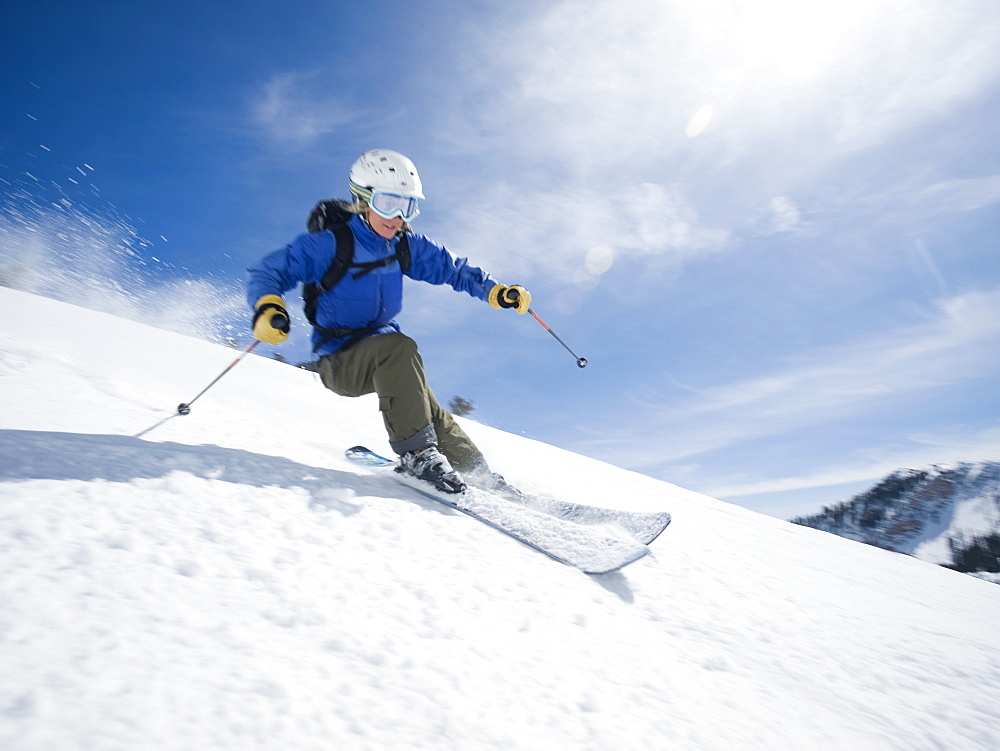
{"points": [[590, 548], [644, 526]]}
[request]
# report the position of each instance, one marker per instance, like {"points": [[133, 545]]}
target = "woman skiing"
{"points": [[360, 345]]}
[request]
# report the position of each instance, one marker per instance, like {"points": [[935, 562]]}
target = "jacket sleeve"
{"points": [[431, 262], [305, 259]]}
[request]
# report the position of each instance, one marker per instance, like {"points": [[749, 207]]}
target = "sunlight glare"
{"points": [[794, 38], [599, 259], [699, 121]]}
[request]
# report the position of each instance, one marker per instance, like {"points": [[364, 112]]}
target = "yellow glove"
{"points": [[270, 320], [515, 296]]}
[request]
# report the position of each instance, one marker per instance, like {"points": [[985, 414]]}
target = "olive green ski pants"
{"points": [[390, 365]]}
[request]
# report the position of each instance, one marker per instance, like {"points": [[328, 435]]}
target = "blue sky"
{"points": [[771, 227]]}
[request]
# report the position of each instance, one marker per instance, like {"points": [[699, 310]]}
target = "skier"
{"points": [[360, 345]]}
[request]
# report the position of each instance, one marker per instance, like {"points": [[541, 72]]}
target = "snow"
{"points": [[975, 514], [229, 580]]}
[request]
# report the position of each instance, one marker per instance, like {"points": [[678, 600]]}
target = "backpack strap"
{"points": [[403, 253], [334, 216], [343, 259]]}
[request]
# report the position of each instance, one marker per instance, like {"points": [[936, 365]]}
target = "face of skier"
{"points": [[385, 228]]}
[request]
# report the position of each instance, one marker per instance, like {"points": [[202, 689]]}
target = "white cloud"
{"points": [[914, 62], [957, 342], [294, 110], [588, 110], [949, 447], [613, 88], [960, 341], [951, 196], [785, 216], [579, 228]]}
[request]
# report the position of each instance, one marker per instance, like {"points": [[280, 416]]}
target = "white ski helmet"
{"points": [[384, 170]]}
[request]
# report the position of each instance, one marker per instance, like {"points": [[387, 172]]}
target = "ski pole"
{"points": [[185, 408], [580, 361], [278, 321]]}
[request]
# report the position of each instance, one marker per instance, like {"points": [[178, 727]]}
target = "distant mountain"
{"points": [[945, 515]]}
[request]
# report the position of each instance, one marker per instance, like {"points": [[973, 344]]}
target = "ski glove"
{"points": [[270, 320], [515, 296]]}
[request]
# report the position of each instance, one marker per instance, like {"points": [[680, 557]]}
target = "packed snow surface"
{"points": [[229, 581]]}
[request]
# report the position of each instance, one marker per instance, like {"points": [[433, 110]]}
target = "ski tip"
{"points": [[367, 457]]}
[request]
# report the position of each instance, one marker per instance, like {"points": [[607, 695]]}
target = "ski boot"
{"points": [[430, 465]]}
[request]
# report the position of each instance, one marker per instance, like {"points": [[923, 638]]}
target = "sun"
{"points": [[792, 38]]}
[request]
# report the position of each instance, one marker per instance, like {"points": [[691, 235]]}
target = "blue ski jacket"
{"points": [[372, 301]]}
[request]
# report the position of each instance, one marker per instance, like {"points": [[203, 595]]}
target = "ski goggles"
{"points": [[389, 205]]}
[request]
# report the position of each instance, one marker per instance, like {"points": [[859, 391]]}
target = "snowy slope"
{"points": [[230, 581]]}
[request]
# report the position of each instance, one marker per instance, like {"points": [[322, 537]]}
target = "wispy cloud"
{"points": [[959, 340], [295, 110], [844, 71], [593, 111], [921, 450], [910, 201], [785, 215], [952, 196], [580, 232]]}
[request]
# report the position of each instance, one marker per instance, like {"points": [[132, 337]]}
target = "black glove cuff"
{"points": [[508, 298], [269, 306]]}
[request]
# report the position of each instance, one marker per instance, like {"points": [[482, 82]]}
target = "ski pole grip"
{"points": [[280, 322]]}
